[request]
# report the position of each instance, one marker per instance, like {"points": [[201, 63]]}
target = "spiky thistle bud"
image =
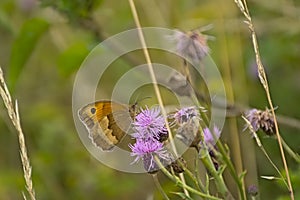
{"points": [[261, 120]]}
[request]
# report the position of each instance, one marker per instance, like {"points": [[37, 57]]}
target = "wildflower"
{"points": [[163, 135], [186, 114], [188, 123], [189, 134], [261, 120], [149, 123], [209, 138], [192, 45], [146, 149], [150, 132], [252, 190]]}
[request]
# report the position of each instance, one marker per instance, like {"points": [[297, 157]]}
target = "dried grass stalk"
{"points": [[264, 81], [13, 113]]}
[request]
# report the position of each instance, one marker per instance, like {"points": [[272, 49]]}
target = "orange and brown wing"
{"points": [[106, 122]]}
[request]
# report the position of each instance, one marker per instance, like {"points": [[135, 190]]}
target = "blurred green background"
{"points": [[42, 45]]}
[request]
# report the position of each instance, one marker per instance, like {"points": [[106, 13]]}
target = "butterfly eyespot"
{"points": [[93, 110]]}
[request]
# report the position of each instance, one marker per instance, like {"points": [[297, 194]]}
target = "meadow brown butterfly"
{"points": [[107, 122]]}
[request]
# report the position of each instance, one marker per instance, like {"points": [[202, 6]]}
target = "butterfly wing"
{"points": [[106, 121]]}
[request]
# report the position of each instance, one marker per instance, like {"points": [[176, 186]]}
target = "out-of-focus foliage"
{"points": [[69, 60], [74, 10], [42, 44], [23, 46]]}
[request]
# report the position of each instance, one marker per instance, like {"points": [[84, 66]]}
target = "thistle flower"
{"points": [[146, 149], [261, 120], [149, 123], [209, 137], [192, 45], [252, 190], [189, 133], [188, 123], [150, 131], [186, 114]]}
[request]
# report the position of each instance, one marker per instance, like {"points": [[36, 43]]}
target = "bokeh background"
{"points": [[42, 45]]}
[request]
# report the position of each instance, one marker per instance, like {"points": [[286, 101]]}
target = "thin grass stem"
{"points": [[259, 144], [264, 81], [154, 81]]}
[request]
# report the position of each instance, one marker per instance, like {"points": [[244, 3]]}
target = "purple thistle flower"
{"points": [[188, 123], [261, 120], [186, 114], [252, 190], [149, 123], [209, 137], [146, 150], [251, 115], [192, 45]]}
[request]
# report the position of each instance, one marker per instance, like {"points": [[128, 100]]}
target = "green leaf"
{"points": [[23, 47]]}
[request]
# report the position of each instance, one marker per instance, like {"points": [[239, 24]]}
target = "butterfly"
{"points": [[107, 122]]}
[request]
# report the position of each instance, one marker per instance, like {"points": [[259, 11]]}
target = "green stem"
{"points": [[221, 186], [197, 175], [157, 184], [183, 185], [231, 169], [196, 181], [290, 151]]}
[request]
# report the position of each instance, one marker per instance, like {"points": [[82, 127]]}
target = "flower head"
{"points": [[186, 114], [253, 190], [192, 45], [188, 123], [188, 133], [261, 120], [149, 123], [209, 137], [146, 149], [150, 132]]}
